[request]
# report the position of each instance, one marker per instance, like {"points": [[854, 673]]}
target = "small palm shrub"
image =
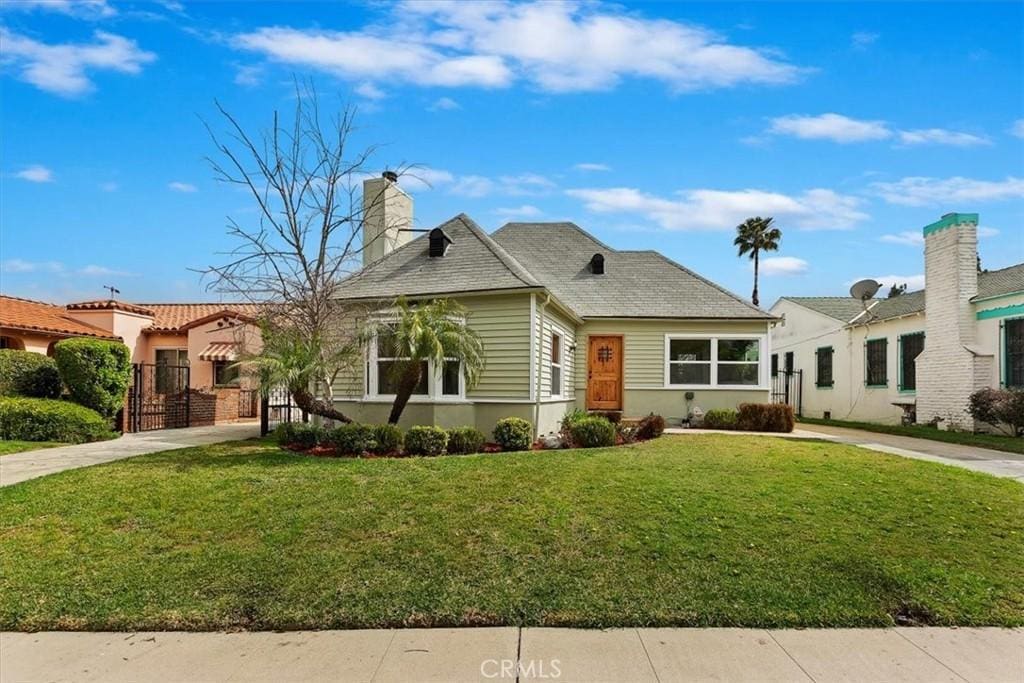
{"points": [[721, 418], [650, 427], [96, 372], [351, 439], [387, 438], [425, 440], [765, 417], [23, 373], [464, 440], [592, 432], [47, 419], [513, 434]]}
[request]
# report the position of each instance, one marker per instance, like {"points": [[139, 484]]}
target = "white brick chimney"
{"points": [[950, 367], [387, 217]]}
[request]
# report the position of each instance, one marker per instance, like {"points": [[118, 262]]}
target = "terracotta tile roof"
{"points": [[172, 317], [108, 305], [25, 314]]}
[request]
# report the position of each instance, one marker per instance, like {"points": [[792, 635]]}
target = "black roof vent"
{"points": [[390, 175], [438, 242], [597, 264]]}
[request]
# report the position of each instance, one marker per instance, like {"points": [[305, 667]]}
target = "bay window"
{"points": [[724, 361]]}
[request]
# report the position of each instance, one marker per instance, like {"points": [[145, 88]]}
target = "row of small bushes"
{"points": [[47, 419], [581, 429], [752, 417]]}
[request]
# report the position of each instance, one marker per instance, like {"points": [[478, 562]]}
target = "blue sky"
{"points": [[652, 125]]}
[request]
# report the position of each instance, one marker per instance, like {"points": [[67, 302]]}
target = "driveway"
{"points": [[31, 464]]}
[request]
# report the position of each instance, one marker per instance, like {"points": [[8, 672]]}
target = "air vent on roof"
{"points": [[597, 264], [438, 242]]}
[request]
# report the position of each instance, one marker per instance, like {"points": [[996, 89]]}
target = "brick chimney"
{"points": [[387, 217], [950, 368]]}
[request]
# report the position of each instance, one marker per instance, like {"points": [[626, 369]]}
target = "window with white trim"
{"points": [[712, 361], [556, 364], [383, 370]]}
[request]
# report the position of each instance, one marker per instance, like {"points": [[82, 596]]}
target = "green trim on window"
{"points": [[1004, 374], [1001, 312], [899, 362], [886, 382], [949, 220]]}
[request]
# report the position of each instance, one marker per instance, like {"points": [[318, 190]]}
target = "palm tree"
{"points": [[422, 336], [753, 236]]}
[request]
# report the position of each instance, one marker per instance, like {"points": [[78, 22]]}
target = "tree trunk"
{"points": [[315, 406], [406, 384], [755, 276]]}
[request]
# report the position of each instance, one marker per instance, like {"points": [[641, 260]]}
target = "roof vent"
{"points": [[597, 264], [438, 242]]}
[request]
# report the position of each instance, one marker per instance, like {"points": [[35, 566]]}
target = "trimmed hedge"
{"points": [[387, 439], [465, 440], [592, 432], [425, 440], [765, 417], [721, 418], [351, 439], [513, 434], [300, 435], [96, 372], [24, 373], [650, 427], [47, 419]]}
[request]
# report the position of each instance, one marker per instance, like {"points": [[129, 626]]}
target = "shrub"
{"points": [[721, 418], [96, 372], [650, 427], [23, 373], [593, 432], [351, 439], [513, 434], [47, 419], [765, 417], [425, 440], [465, 440], [300, 435], [387, 438], [613, 416], [999, 408]]}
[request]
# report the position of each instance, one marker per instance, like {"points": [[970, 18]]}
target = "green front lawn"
{"points": [[996, 442], [687, 530], [8, 447]]}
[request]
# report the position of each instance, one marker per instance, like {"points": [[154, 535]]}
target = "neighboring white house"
{"points": [[923, 352]]}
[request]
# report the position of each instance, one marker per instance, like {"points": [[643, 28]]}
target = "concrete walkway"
{"points": [[997, 463], [529, 654], [18, 467]]}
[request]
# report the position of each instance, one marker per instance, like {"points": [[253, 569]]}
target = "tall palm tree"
{"points": [[753, 236], [422, 336]]}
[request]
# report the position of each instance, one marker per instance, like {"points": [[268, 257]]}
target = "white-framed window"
{"points": [[445, 382], [556, 364], [726, 361]]}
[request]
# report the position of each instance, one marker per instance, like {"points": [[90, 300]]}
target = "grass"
{"points": [[8, 447], [1008, 444], [688, 530]]}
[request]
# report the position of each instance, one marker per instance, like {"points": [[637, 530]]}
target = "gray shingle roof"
{"points": [[844, 308], [635, 284], [1004, 281], [904, 304], [473, 262]]}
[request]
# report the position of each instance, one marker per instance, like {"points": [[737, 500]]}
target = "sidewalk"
{"points": [[18, 467], [528, 654]]}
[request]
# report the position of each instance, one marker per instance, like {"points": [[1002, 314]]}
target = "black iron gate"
{"points": [[158, 397], [279, 407], [788, 388]]}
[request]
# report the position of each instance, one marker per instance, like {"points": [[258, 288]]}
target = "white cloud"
{"points": [[941, 136], [1017, 129], [558, 47], [910, 238], [835, 127], [82, 9], [864, 39], [706, 209], [103, 271], [985, 231], [444, 104], [913, 282], [63, 68], [248, 75], [22, 266], [592, 167], [475, 186], [370, 91], [783, 265], [36, 173], [419, 179], [524, 211], [923, 191], [178, 186]]}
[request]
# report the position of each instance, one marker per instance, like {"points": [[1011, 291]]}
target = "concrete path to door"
{"points": [[19, 467], [527, 654]]}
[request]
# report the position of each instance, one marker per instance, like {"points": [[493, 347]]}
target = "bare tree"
{"points": [[304, 239]]}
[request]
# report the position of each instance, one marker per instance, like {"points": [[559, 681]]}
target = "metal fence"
{"points": [[248, 403], [279, 407], [788, 388], [158, 397]]}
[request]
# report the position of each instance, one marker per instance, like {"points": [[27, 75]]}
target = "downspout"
{"points": [[540, 366]]}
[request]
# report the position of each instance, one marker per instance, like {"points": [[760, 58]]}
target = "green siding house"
{"points": [[566, 321]]}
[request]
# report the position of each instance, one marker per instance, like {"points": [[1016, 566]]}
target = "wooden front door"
{"points": [[604, 373]]}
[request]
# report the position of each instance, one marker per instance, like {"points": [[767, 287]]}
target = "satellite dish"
{"points": [[864, 289]]}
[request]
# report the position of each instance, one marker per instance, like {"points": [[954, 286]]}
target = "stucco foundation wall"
{"points": [[483, 416], [673, 406]]}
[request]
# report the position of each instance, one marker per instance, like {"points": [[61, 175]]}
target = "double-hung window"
{"points": [[876, 370], [1013, 352], [713, 361], [823, 367], [556, 364], [911, 345], [386, 364]]}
